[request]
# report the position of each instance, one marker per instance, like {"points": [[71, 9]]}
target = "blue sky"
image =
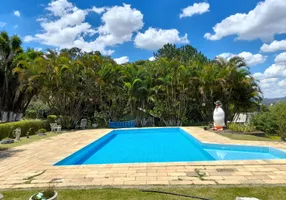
{"points": [[132, 30]]}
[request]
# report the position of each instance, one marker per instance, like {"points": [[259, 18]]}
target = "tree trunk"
{"points": [[5, 87], [14, 117], [1, 114], [5, 116], [11, 115], [18, 116]]}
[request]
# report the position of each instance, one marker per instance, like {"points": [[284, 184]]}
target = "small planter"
{"points": [[52, 198], [41, 134], [7, 141]]}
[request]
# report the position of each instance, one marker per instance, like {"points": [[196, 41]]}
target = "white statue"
{"points": [[218, 116], [17, 133]]}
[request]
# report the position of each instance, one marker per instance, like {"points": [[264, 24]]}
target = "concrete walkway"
{"points": [[30, 166]]}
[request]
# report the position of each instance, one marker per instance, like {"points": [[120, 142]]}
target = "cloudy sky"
{"points": [[131, 30]]}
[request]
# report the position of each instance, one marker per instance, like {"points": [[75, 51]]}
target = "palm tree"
{"points": [[30, 75], [237, 86], [66, 86], [136, 81], [9, 48]]}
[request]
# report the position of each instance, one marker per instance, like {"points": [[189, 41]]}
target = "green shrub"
{"points": [[265, 122], [279, 114], [67, 122], [42, 130], [241, 127], [272, 121], [25, 125], [52, 118], [31, 114]]}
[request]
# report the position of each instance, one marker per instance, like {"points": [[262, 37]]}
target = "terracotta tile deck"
{"points": [[30, 166]]}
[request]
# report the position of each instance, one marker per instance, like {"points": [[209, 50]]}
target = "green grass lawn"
{"points": [[25, 140], [214, 193], [236, 136]]}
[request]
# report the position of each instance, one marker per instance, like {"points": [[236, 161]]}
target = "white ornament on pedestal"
{"points": [[218, 117]]}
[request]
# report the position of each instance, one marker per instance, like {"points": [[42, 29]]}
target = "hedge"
{"points": [[7, 128]]}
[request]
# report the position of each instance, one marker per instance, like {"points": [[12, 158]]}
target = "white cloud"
{"points": [[269, 80], [16, 26], [121, 60], [253, 59], [2, 24], [60, 8], [226, 55], [273, 88], [274, 46], [38, 49], [98, 10], [197, 8], [154, 39], [272, 80], [29, 38], [119, 24], [250, 59], [275, 70], [152, 58], [282, 83], [281, 58], [66, 27], [266, 83], [264, 21], [17, 13]]}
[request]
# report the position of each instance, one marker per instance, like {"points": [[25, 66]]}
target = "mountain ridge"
{"points": [[268, 101]]}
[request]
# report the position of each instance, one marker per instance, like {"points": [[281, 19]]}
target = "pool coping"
{"points": [[24, 162]]}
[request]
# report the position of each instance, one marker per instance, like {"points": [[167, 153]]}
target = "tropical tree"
{"points": [[18, 80], [30, 76], [184, 54], [112, 98], [178, 88], [67, 86], [169, 93], [237, 86], [137, 84]]}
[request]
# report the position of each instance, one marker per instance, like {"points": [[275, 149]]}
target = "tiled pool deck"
{"points": [[31, 166]]}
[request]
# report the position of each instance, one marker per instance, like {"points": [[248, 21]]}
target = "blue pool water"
{"points": [[162, 145]]}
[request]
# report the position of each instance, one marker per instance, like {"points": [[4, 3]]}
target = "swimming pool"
{"points": [[162, 145]]}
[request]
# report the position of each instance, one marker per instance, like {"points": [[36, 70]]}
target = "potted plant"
{"points": [[52, 118], [41, 132], [48, 194]]}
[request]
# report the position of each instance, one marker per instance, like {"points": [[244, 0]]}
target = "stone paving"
{"points": [[31, 166]]}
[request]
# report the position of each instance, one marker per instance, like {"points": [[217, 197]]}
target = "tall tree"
{"points": [[68, 86], [30, 78], [238, 87], [10, 47]]}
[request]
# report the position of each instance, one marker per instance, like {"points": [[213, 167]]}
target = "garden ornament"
{"points": [[17, 133], [218, 116]]}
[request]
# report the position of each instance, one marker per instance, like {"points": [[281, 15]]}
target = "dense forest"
{"points": [[178, 88]]}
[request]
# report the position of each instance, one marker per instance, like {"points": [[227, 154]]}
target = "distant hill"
{"points": [[270, 101]]}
